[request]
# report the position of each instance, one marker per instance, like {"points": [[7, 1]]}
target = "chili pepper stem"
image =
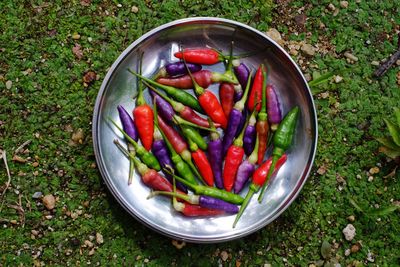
{"points": [[133, 142], [141, 167], [175, 105], [179, 120], [245, 203], [254, 155], [270, 172], [197, 88], [131, 163], [140, 97]]}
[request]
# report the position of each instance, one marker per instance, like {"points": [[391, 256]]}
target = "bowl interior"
{"points": [[159, 45]]}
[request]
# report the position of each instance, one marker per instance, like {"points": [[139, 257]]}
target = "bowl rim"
{"points": [[96, 145]]}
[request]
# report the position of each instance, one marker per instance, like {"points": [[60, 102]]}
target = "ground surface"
{"points": [[53, 57]]}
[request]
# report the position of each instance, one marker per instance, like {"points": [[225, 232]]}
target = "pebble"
{"points": [[99, 238], [35, 232], [19, 159], [398, 62], [350, 56], [76, 36], [344, 4], [370, 178], [224, 255], [275, 35], [375, 63], [347, 252], [49, 202], [135, 9], [308, 49], [35, 164], [77, 136], [91, 252], [338, 79], [374, 170], [351, 218], [178, 244], [88, 244], [267, 265], [119, 5], [9, 84], [355, 248], [349, 232], [331, 7], [90, 39]]}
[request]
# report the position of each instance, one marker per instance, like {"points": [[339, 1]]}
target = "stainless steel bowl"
{"points": [[159, 45]]}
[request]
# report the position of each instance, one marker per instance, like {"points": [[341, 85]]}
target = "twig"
{"points": [[388, 63], [24, 144], [4, 156]]}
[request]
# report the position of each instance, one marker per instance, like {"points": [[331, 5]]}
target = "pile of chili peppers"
{"points": [[208, 146]]}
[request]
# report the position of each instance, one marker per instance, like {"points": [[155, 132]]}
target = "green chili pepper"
{"points": [[194, 135], [282, 139], [177, 94], [210, 191], [147, 157]]}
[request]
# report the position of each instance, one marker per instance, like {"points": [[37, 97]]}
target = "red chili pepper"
{"points": [[177, 142], [205, 56], [155, 181], [256, 88], [260, 174], [201, 161], [143, 115], [212, 107], [196, 211], [226, 95], [233, 159]]}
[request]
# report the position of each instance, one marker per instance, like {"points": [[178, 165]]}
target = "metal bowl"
{"points": [[159, 45]]}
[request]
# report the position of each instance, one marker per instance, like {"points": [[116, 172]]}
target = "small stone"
{"points": [[331, 7], [19, 159], [267, 265], [119, 5], [338, 79], [374, 170], [90, 39], [355, 248], [35, 164], [350, 56], [178, 244], [49, 202], [349, 232], [99, 238], [370, 257], [347, 252], [68, 252], [89, 77], [275, 35], [375, 63], [135, 9], [324, 95], [321, 170], [351, 218], [224, 255], [13, 222], [293, 52], [358, 176], [76, 36], [88, 244], [9, 84], [74, 215], [35, 232], [344, 4], [48, 217], [37, 195], [308, 50], [370, 178], [77, 136], [91, 252], [398, 62]]}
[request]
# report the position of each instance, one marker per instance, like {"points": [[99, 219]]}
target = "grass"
{"points": [[48, 101]]}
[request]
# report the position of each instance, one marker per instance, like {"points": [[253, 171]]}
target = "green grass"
{"points": [[48, 100]]}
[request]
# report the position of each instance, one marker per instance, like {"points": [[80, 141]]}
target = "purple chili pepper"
{"points": [[242, 122], [160, 150], [242, 73], [164, 108], [246, 169], [234, 120], [127, 123], [273, 107], [177, 69], [250, 133], [215, 203], [215, 157]]}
